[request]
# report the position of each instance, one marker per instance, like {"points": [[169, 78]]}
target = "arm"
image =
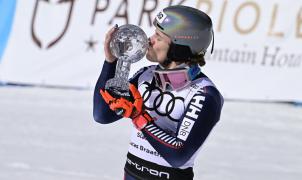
{"points": [[200, 117], [101, 111]]}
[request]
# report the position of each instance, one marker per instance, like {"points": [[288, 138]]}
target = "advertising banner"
{"points": [[257, 50]]}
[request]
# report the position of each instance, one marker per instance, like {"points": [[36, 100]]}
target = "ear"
{"points": [[179, 52]]}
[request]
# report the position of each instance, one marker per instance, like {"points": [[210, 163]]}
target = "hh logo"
{"points": [[191, 116], [49, 7]]}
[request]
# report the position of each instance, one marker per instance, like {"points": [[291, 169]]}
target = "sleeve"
{"points": [[201, 115], [101, 111]]}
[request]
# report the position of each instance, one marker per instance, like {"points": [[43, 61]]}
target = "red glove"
{"points": [[129, 109], [140, 118]]}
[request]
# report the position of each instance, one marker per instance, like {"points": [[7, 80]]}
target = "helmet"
{"points": [[190, 29]]}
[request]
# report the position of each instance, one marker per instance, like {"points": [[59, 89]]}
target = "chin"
{"points": [[150, 58]]}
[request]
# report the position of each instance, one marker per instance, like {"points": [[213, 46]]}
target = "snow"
{"points": [[50, 134]]}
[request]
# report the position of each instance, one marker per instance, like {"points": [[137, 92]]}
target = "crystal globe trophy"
{"points": [[129, 44]]}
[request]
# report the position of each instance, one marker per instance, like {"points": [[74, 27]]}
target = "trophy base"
{"points": [[119, 87]]}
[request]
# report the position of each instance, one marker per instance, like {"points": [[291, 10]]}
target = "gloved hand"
{"points": [[140, 117], [130, 110]]}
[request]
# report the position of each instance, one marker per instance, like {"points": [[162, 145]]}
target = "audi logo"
{"points": [[163, 103]]}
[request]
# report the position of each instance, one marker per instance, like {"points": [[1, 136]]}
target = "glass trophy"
{"points": [[129, 44]]}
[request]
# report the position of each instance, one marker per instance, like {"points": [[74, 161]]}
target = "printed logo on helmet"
{"points": [[161, 16]]}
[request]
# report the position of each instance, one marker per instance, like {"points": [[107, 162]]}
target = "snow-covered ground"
{"points": [[49, 134]]}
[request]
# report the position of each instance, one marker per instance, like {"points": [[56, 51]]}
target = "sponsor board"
{"points": [[257, 52]]}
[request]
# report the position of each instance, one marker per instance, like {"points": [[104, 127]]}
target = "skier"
{"points": [[174, 105]]}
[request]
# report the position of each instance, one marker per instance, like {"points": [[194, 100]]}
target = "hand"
{"points": [[108, 55], [140, 118], [130, 110]]}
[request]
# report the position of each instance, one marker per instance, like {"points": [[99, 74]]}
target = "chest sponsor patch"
{"points": [[185, 128]]}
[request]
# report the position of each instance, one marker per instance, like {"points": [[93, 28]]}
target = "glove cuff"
{"points": [[142, 120]]}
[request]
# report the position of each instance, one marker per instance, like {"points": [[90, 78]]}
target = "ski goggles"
{"points": [[175, 79]]}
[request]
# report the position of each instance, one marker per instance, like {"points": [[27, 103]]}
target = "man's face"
{"points": [[159, 46]]}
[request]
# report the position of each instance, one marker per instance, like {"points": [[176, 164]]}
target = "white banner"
{"points": [[257, 52]]}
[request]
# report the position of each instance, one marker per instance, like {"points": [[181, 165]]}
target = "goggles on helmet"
{"points": [[175, 79]]}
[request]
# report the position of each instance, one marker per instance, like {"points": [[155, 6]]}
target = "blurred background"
{"points": [[51, 54]]}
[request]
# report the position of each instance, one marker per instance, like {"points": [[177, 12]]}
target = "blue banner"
{"points": [[7, 11]]}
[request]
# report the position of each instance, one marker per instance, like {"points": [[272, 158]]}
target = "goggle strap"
{"points": [[212, 49], [193, 72]]}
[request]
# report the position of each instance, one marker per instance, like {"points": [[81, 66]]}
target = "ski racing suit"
{"points": [[166, 147]]}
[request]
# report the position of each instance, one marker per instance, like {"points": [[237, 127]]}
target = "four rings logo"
{"points": [[164, 103]]}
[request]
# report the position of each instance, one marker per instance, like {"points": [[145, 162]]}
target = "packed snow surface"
{"points": [[50, 134]]}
